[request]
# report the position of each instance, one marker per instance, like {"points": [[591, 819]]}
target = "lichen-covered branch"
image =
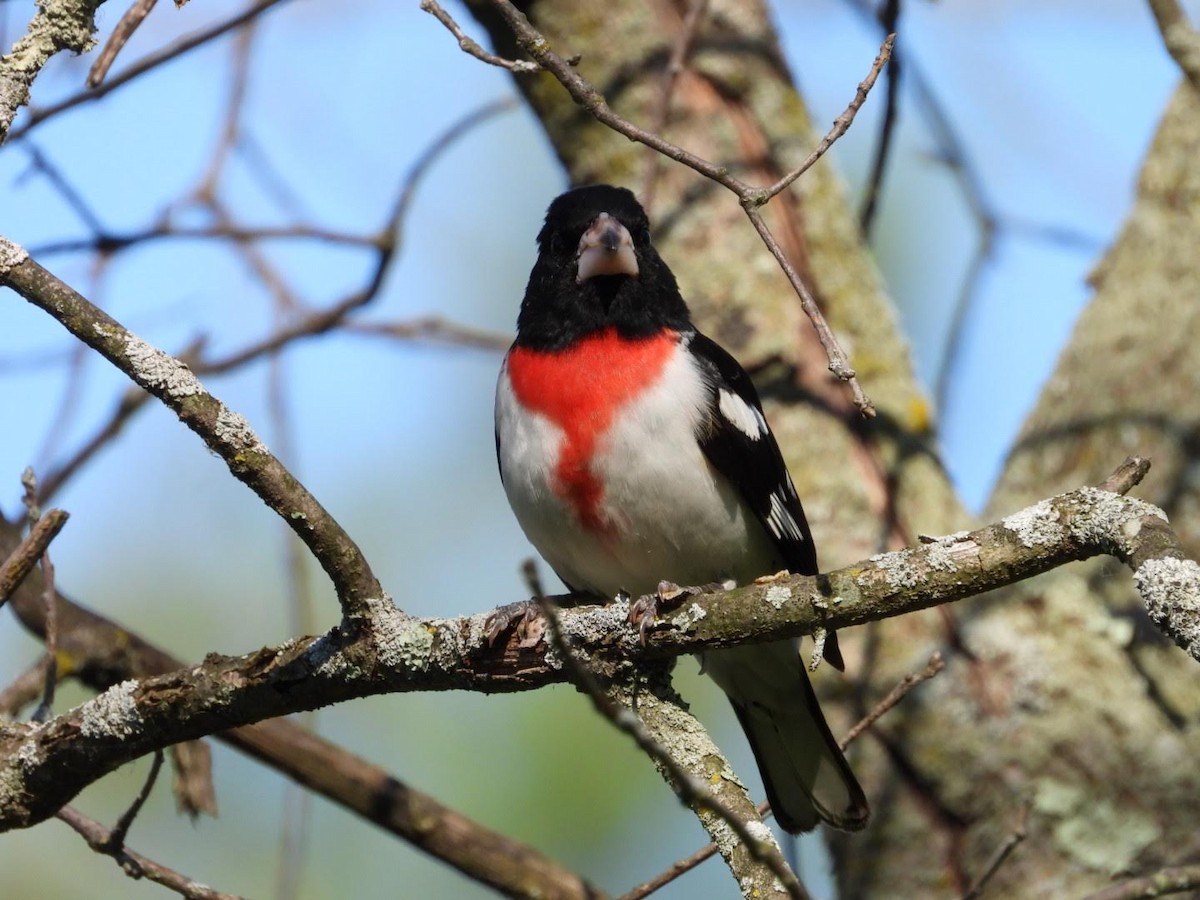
{"points": [[100, 652], [44, 766], [58, 25], [650, 712], [223, 431]]}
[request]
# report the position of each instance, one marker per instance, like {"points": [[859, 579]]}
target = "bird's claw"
{"points": [[644, 610], [523, 617]]}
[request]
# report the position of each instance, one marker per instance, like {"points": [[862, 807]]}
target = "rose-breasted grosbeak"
{"points": [[633, 449]]}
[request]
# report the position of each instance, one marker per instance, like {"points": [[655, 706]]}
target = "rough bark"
{"points": [[1062, 699]]}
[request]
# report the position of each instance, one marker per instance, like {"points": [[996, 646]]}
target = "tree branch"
{"points": [[154, 60], [651, 714], [100, 839], [22, 560], [223, 431], [43, 766], [58, 25], [102, 652], [1179, 37]]}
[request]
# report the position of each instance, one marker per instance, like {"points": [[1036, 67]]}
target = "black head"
{"points": [[597, 269]]}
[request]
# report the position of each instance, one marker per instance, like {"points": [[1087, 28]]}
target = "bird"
{"points": [[634, 452]]}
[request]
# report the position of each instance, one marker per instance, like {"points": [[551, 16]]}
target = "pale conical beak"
{"points": [[606, 249]]}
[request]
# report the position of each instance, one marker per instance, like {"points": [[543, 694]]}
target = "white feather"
{"points": [[741, 415]]}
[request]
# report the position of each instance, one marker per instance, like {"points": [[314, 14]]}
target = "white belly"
{"points": [[668, 514]]}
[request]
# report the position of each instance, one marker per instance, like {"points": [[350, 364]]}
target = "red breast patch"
{"points": [[580, 390]]}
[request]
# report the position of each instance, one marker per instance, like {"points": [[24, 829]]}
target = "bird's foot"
{"points": [[644, 611], [524, 616]]}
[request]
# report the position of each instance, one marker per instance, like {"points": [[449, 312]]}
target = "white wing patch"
{"points": [[741, 415], [780, 521]]}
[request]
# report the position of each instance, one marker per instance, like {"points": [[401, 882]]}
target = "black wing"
{"points": [[741, 447], [739, 444]]}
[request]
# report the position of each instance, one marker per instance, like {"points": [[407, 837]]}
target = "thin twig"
{"points": [[22, 690], [689, 788], [1126, 476], [116, 837], [109, 243], [59, 181], [39, 115], [388, 241], [131, 401], [1002, 853], [889, 18], [839, 362], [467, 45], [122, 32], [895, 695], [49, 599], [21, 561], [840, 126], [137, 866], [436, 330], [679, 54]]}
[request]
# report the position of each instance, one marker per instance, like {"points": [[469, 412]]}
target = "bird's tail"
{"points": [[805, 774]]}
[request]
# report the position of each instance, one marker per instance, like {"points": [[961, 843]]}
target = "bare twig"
{"points": [[690, 789], [436, 330], [889, 20], [23, 690], [839, 362], [99, 839], [467, 45], [1002, 853], [122, 32], [1126, 476], [39, 115], [116, 837], [1174, 880], [895, 695], [224, 432], [1179, 37], [59, 181], [49, 600], [131, 401], [840, 126], [109, 243], [679, 54], [22, 560]]}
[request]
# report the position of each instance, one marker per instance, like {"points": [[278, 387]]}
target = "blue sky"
{"points": [[1055, 104]]}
